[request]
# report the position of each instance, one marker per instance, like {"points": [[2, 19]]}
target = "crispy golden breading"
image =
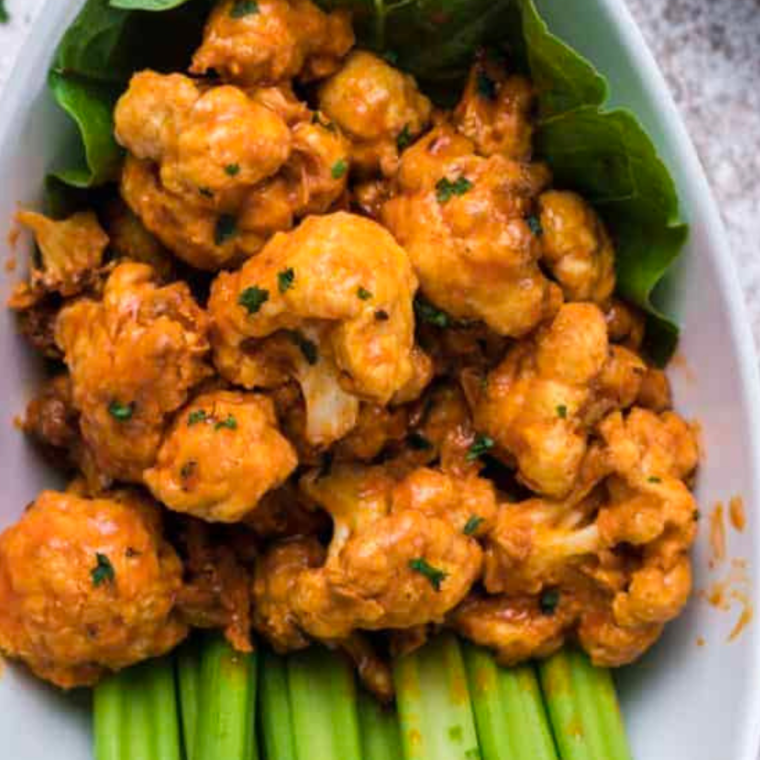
{"points": [[273, 41], [86, 586], [463, 220], [378, 107], [318, 291], [133, 357], [223, 453]]}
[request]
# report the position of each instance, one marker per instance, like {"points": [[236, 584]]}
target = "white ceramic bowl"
{"points": [[682, 701]]}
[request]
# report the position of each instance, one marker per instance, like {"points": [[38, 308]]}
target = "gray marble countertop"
{"points": [[709, 51]]}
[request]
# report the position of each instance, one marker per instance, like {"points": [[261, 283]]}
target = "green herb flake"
{"points": [[188, 469], [481, 445], [472, 525], [229, 424], [404, 139], [196, 416], [418, 442], [381, 315], [433, 574], [307, 347], [103, 571], [232, 170], [428, 313], [253, 298], [363, 293], [535, 225], [654, 479], [486, 86], [445, 189], [225, 230], [549, 601], [121, 412], [562, 411], [285, 279], [243, 8], [319, 121], [339, 168]]}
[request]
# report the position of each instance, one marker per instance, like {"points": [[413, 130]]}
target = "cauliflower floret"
{"points": [[463, 220], [269, 41], [376, 427], [86, 586], [625, 323], [378, 106], [133, 357], [534, 402], [223, 453], [315, 294], [576, 247], [496, 110], [71, 253]]}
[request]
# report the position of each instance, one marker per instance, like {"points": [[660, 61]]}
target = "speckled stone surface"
{"points": [[709, 51]]}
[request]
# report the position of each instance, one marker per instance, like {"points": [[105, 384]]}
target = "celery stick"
{"points": [[108, 718], [380, 732], [323, 700], [434, 703], [188, 666], [275, 719], [583, 708], [227, 707], [509, 709]]}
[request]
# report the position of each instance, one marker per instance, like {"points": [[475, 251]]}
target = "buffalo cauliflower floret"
{"points": [[132, 357], [223, 453], [378, 107], [307, 307], [87, 586], [463, 220], [269, 41]]}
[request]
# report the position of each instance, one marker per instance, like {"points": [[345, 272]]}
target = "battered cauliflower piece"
{"points": [[576, 247], [378, 107], [87, 586], [463, 219], [307, 307], [133, 357], [496, 111], [270, 41], [222, 454], [71, 256], [534, 402]]}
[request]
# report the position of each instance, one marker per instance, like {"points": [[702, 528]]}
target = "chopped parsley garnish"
{"points": [[121, 412], [339, 168], [433, 574], [243, 8], [225, 230], [445, 189], [654, 479], [472, 525], [404, 139], [205, 192], [103, 571], [188, 469], [230, 423], [363, 293], [381, 315], [486, 86], [307, 347], [562, 412], [232, 170], [549, 601], [535, 225], [285, 279], [253, 298], [426, 312], [481, 445], [418, 442], [196, 416]]}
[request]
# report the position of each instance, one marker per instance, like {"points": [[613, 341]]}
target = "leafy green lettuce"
{"points": [[603, 154]]}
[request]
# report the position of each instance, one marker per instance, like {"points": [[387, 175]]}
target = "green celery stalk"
{"points": [[227, 706], [188, 666], [275, 718], [510, 716], [323, 701], [136, 714], [434, 703], [583, 708], [380, 732]]}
